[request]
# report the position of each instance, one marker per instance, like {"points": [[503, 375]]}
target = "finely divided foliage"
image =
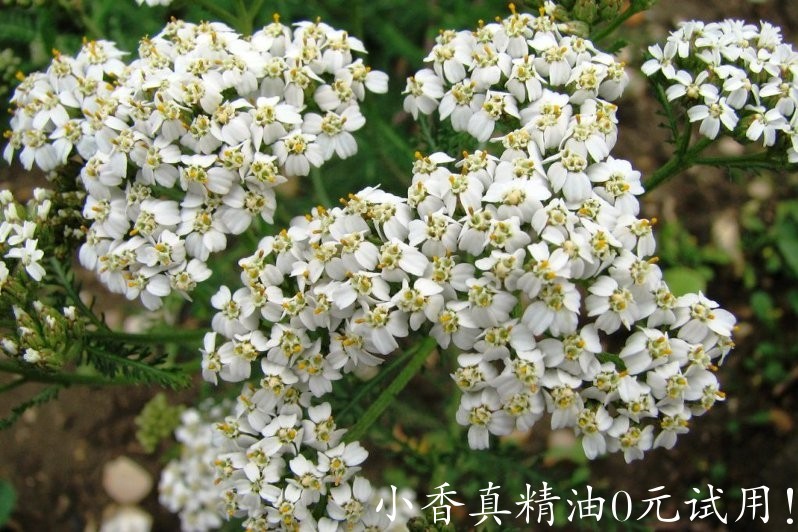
{"points": [[525, 256]]}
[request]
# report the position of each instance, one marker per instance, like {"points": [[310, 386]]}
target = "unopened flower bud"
{"points": [[609, 9], [32, 356], [574, 27], [9, 346], [585, 11]]}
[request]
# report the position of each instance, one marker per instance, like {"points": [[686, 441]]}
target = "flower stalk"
{"points": [[386, 398], [181, 337]]}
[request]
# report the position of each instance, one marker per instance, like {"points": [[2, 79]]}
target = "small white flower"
{"points": [[423, 90], [483, 415], [333, 131], [661, 61], [714, 112], [29, 257], [297, 152], [698, 317]]}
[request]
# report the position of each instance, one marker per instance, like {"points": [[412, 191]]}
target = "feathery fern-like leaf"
{"points": [[45, 395]]}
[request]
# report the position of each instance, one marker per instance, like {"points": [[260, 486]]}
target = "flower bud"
{"points": [[609, 9], [9, 346], [575, 27], [45, 358], [585, 11]]}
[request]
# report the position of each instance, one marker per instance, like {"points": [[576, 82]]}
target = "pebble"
{"points": [[126, 481]]}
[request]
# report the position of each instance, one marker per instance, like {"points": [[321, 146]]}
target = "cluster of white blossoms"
{"points": [[18, 238], [49, 222], [507, 71], [733, 77], [184, 145], [187, 484], [532, 264]]}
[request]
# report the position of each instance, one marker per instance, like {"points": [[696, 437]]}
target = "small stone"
{"points": [[126, 481], [728, 146], [760, 189]]}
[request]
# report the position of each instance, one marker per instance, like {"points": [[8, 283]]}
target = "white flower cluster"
{"points": [[47, 225], [734, 78], [190, 487], [187, 483], [533, 264], [49, 215], [18, 234], [185, 145], [483, 78]]}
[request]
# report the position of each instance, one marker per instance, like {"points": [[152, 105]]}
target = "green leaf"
{"points": [[683, 280], [614, 358], [762, 305], [397, 42], [47, 394], [17, 28], [774, 371], [387, 396], [8, 498], [580, 476], [123, 366]]}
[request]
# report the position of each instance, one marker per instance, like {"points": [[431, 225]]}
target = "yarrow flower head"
{"points": [[528, 256], [184, 145], [734, 78], [186, 486], [505, 71]]}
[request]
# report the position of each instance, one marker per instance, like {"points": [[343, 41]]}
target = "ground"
{"points": [[55, 454]]}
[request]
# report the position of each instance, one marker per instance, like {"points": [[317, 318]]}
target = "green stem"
{"points": [[254, 11], [244, 18], [427, 132], [662, 97], [153, 337], [91, 27], [13, 384], [387, 396], [66, 282], [319, 188], [758, 160], [212, 7], [64, 379], [628, 13], [682, 159], [382, 375]]}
